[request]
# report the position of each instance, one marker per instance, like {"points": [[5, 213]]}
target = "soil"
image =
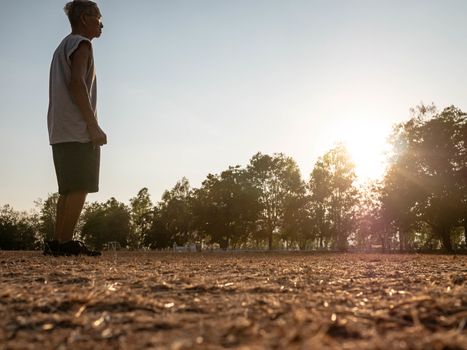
{"points": [[149, 300]]}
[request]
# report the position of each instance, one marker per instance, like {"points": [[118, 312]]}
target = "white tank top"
{"points": [[65, 121]]}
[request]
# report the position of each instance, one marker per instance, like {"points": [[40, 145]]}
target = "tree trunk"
{"points": [[401, 241], [270, 227], [342, 242], [223, 243], [445, 234], [465, 231], [302, 245]]}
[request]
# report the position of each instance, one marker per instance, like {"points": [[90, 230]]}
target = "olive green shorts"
{"points": [[77, 167]]}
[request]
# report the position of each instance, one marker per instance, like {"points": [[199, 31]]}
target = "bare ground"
{"points": [[240, 301]]}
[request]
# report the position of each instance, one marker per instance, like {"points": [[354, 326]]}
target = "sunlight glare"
{"points": [[367, 145]]}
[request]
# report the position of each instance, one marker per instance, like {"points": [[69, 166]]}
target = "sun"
{"points": [[367, 146]]}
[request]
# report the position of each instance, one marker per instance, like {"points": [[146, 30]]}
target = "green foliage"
{"points": [[18, 230], [141, 215], [106, 222], [48, 213], [226, 207], [333, 198], [158, 236], [278, 181], [426, 180], [172, 218], [297, 225]]}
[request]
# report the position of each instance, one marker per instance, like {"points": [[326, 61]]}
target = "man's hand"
{"points": [[98, 137]]}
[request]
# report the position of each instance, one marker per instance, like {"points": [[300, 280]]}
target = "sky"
{"points": [[189, 87]]}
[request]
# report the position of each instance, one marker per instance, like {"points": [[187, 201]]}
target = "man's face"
{"points": [[93, 22]]}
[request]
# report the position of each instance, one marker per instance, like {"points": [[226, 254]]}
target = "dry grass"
{"points": [[241, 301]]}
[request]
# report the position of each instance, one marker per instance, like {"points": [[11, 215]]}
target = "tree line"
{"points": [[420, 203]]}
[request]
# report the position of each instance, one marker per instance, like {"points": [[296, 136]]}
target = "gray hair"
{"points": [[74, 9]]}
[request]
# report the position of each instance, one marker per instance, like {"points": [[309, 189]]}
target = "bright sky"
{"points": [[187, 88]]}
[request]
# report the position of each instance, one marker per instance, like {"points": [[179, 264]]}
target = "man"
{"points": [[74, 132]]}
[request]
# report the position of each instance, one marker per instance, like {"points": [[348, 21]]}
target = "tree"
{"points": [[172, 218], [334, 197], [106, 222], [226, 207], [462, 173], [319, 187], [47, 216], [373, 227], [297, 226], [441, 161], [277, 179], [158, 236], [426, 181], [398, 198], [141, 217], [18, 230]]}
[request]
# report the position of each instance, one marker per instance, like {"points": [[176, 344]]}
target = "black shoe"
{"points": [[76, 248], [52, 248]]}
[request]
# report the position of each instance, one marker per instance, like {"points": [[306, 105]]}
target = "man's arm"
{"points": [[79, 65]]}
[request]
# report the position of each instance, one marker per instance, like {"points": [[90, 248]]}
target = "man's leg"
{"points": [[69, 208], [59, 219]]}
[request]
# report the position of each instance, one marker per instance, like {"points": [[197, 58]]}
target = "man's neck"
{"points": [[80, 31]]}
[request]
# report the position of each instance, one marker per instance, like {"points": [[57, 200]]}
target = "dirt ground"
{"points": [[153, 300]]}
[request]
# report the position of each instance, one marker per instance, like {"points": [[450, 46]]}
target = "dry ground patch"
{"points": [[233, 300]]}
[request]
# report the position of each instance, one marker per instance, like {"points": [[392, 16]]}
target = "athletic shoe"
{"points": [[76, 248], [52, 248]]}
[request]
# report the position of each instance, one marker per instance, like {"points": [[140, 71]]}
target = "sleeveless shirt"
{"points": [[64, 119]]}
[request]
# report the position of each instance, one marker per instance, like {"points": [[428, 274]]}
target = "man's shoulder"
{"points": [[74, 39], [70, 44]]}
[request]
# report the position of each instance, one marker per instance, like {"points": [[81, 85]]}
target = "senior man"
{"points": [[74, 132]]}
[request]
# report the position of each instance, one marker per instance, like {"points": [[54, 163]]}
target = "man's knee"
{"points": [[77, 193]]}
